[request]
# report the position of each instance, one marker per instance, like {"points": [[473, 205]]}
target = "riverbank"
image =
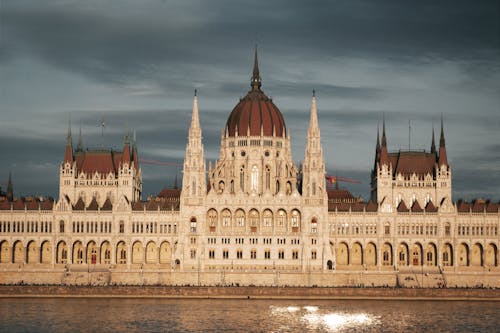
{"points": [[458, 294]]}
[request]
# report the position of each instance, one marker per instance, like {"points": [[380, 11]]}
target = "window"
{"points": [[313, 255], [314, 226], [61, 226], [212, 218], [267, 254], [240, 218], [447, 229], [253, 254], [193, 240], [254, 185], [225, 254], [295, 219], [226, 218], [193, 225], [122, 227], [239, 254], [387, 229], [211, 254], [254, 218], [193, 254], [281, 254], [268, 218], [295, 254], [242, 178], [268, 176]]}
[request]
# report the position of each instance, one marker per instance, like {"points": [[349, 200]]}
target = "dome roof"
{"points": [[255, 112]]}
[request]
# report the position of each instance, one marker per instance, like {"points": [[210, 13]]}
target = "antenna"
{"points": [[409, 135], [103, 124]]}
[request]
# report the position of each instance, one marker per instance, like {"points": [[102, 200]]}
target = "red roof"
{"points": [[416, 207], [402, 207], [80, 205], [338, 196], [255, 111], [169, 193], [107, 205], [103, 161], [407, 163], [93, 204], [430, 207]]}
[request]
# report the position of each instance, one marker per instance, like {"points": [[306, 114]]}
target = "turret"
{"points": [[68, 155]]}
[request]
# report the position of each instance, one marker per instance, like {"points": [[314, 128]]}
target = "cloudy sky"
{"points": [[137, 63]]}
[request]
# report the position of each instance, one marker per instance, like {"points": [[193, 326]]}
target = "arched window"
{"points": [[254, 186], [295, 219], [122, 227], [240, 218], [281, 218], [277, 186], [61, 226], [242, 178], [193, 225], [226, 218], [314, 225], [268, 218], [314, 187], [231, 186], [254, 218], [268, 177], [194, 187]]}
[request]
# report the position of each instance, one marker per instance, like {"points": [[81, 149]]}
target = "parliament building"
{"points": [[254, 217]]}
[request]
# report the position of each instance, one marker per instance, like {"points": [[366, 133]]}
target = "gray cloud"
{"points": [[138, 63]]}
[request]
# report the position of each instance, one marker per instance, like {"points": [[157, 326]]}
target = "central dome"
{"points": [[255, 114]]}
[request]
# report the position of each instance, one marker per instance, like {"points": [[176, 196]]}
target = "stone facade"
{"points": [[256, 219]]}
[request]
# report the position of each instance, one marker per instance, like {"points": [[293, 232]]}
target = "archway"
{"points": [[387, 254], [46, 253], [430, 255], [403, 255], [329, 265], [416, 255], [371, 254], [5, 255], [342, 253], [62, 253], [463, 255], [447, 254], [105, 253], [32, 253], [121, 253], [78, 253], [92, 253], [490, 258], [356, 254], [151, 253], [137, 253], [165, 253], [476, 255]]}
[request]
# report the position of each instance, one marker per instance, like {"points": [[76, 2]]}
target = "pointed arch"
{"points": [[151, 253], [342, 254], [476, 255], [447, 255], [105, 253], [5, 254], [121, 253], [387, 255], [403, 255], [463, 254], [137, 253], [165, 253], [46, 252], [32, 253], [78, 257], [370, 254], [62, 253], [491, 255], [431, 254], [92, 253], [416, 255], [356, 254]]}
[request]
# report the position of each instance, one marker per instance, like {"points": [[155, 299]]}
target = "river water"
{"points": [[165, 315]]}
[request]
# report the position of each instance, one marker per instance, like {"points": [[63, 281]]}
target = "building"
{"points": [[256, 219]]}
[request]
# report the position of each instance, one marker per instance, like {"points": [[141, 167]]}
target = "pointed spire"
{"points": [[126, 148], [313, 121], [68, 154], [176, 186], [79, 146], [195, 118], [384, 156], [10, 189], [377, 147], [433, 143], [443, 159], [135, 154], [256, 81]]}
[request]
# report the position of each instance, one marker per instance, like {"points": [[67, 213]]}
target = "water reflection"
{"points": [[316, 318], [212, 315]]}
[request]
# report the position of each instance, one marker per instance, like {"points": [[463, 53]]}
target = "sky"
{"points": [[135, 65]]}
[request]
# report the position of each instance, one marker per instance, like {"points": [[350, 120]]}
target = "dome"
{"points": [[255, 113]]}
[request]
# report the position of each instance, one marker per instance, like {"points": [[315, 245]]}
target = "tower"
{"points": [[313, 179], [443, 170], [194, 181]]}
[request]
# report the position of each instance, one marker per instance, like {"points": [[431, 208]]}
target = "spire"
{"points": [[443, 160], [126, 148], [10, 189], [256, 81], [195, 118], [384, 156], [68, 155], [313, 121], [433, 143], [377, 147], [79, 146], [135, 154]]}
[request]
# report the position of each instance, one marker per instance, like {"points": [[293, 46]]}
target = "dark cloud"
{"points": [[137, 63]]}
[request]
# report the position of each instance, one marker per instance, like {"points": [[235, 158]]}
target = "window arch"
{"points": [[254, 184], [268, 177], [281, 218], [242, 178], [314, 225], [226, 218], [61, 226], [212, 219], [240, 218], [268, 218], [254, 218], [295, 218], [192, 224]]}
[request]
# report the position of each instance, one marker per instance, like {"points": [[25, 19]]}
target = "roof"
{"points": [[338, 196], [409, 162], [101, 161], [29, 203], [256, 112]]}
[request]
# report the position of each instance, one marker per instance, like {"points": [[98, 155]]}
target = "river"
{"points": [[208, 315]]}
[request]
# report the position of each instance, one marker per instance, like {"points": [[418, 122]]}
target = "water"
{"points": [[161, 315]]}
